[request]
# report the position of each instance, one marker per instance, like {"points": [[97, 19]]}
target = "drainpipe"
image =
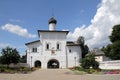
{"points": [[66, 58], [31, 61], [75, 60]]}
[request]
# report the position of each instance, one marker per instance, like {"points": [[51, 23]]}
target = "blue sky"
{"points": [[20, 19]]}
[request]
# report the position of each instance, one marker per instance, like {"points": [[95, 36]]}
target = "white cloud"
{"points": [[96, 34], [16, 29]]}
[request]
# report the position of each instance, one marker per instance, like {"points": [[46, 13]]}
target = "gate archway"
{"points": [[38, 64], [53, 63]]}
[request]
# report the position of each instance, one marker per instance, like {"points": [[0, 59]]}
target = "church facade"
{"points": [[52, 50]]}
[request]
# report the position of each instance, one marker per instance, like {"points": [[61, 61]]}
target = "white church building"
{"points": [[52, 50]]}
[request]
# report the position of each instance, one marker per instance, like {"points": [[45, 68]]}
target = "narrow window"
{"points": [[69, 50], [34, 49], [58, 46], [47, 46]]}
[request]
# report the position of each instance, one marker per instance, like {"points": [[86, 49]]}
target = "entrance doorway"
{"points": [[38, 64], [53, 63]]}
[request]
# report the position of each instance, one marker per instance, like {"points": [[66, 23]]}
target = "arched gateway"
{"points": [[38, 64], [53, 63]]}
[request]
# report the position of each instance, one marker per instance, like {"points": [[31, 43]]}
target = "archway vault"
{"points": [[53, 64], [37, 64]]}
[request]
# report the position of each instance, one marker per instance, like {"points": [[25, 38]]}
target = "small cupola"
{"points": [[52, 23]]}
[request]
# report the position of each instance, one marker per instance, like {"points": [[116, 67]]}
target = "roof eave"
{"points": [[32, 42]]}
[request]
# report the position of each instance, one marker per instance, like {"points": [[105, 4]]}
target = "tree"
{"points": [[107, 50], [23, 59], [113, 50], [80, 40], [84, 48], [9, 55], [89, 61], [115, 36]]}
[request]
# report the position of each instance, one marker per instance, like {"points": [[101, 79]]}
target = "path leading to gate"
{"points": [[56, 74]]}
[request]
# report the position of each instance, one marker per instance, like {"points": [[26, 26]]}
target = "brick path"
{"points": [[56, 74]]}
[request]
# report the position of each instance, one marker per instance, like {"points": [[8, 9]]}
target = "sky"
{"points": [[93, 19]]}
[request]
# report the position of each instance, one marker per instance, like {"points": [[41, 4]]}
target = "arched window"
{"points": [[47, 46], [70, 51], [58, 46]]}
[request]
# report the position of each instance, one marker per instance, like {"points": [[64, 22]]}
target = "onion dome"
{"points": [[52, 20]]}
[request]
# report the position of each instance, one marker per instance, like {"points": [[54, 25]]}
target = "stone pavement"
{"points": [[57, 74]]}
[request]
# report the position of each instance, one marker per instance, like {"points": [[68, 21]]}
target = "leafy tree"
{"points": [[80, 40], [113, 50], [84, 48], [9, 55], [89, 61], [107, 50], [23, 59], [115, 36]]}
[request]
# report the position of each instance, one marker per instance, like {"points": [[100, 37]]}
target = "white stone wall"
{"points": [[44, 55], [110, 64], [102, 58], [54, 38], [34, 55], [99, 58], [74, 56]]}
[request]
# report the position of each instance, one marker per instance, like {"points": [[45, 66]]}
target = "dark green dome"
{"points": [[52, 20]]}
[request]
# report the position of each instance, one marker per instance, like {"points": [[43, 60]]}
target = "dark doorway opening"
{"points": [[53, 64], [38, 64]]}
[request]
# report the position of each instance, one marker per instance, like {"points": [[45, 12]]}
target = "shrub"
{"points": [[79, 68], [7, 69], [91, 70], [89, 61], [2, 69]]}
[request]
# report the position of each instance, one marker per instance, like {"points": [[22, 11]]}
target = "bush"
{"points": [[91, 70], [79, 68], [89, 61], [2, 69], [34, 68], [95, 65], [7, 69]]}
